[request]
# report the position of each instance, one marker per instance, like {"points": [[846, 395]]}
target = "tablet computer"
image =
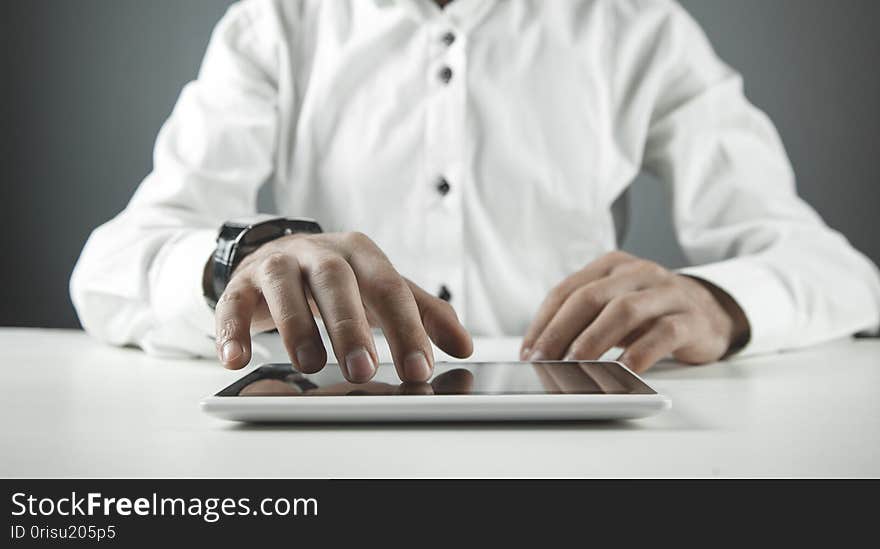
{"points": [[457, 391]]}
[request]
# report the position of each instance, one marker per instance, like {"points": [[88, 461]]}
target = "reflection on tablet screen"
{"points": [[486, 378]]}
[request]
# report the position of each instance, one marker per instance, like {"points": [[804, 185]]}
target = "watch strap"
{"points": [[241, 237]]}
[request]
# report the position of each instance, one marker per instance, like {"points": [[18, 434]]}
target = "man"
{"points": [[469, 151]]}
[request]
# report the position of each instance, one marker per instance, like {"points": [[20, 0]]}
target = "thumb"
{"points": [[442, 324]]}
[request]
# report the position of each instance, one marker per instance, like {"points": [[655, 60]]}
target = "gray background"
{"points": [[86, 85]]}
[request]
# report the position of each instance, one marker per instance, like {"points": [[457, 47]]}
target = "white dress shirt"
{"points": [[481, 147]]}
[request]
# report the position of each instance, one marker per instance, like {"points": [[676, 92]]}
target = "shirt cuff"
{"points": [[178, 296], [760, 293]]}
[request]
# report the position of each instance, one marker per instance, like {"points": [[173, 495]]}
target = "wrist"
{"points": [[736, 324], [238, 239]]}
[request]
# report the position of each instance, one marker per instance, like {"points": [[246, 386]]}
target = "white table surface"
{"points": [[72, 407]]}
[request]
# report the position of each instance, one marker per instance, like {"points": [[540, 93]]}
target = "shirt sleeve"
{"points": [[138, 280], [735, 207]]}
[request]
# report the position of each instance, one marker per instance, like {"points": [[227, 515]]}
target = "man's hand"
{"points": [[621, 300], [348, 277]]}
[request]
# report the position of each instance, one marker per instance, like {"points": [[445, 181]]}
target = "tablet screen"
{"points": [[449, 378]]}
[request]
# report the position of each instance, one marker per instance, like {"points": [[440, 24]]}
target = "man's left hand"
{"points": [[623, 301]]}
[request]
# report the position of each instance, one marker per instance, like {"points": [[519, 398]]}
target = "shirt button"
{"points": [[448, 38], [444, 293], [445, 75], [443, 186]]}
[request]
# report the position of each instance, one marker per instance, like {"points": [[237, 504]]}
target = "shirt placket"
{"points": [[445, 170]]}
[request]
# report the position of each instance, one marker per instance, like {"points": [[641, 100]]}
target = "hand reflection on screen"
{"points": [[579, 378], [453, 382]]}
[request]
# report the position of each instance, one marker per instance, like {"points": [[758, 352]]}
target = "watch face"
{"points": [[249, 233], [262, 233]]}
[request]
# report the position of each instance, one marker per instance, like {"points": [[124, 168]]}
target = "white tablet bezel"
{"points": [[433, 408]]}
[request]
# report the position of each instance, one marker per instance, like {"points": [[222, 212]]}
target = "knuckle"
{"points": [[349, 326], [274, 262], [330, 267], [624, 268], [627, 308], [675, 287], [557, 294], [588, 297], [652, 268], [290, 317], [274, 267], [231, 297], [356, 240], [616, 256], [672, 328], [228, 329], [388, 287]]}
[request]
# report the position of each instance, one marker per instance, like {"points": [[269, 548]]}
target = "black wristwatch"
{"points": [[240, 237]]}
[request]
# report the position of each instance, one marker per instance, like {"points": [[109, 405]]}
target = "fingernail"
{"points": [[308, 357], [416, 367], [524, 354], [230, 351], [535, 356], [359, 366]]}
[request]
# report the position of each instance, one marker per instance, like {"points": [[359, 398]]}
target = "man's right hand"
{"points": [[348, 278]]}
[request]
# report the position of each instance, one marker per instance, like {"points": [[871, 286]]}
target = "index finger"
{"points": [[387, 294], [557, 296]]}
